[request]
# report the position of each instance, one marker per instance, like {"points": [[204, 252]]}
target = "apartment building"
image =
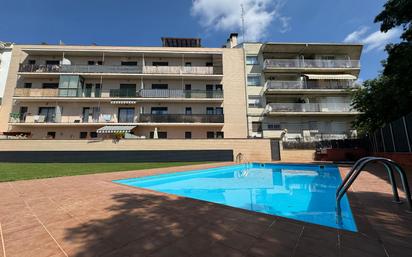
{"points": [[5, 58], [300, 91], [180, 90]]}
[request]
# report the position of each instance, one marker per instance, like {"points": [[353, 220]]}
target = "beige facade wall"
{"points": [[251, 149], [297, 156], [234, 94], [11, 83], [228, 60]]}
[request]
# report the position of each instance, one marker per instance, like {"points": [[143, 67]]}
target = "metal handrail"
{"points": [[389, 165]]}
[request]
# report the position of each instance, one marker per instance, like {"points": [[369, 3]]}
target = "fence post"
{"points": [[393, 139], [406, 133]]}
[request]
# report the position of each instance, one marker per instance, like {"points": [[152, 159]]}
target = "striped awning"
{"points": [[330, 76], [122, 102], [115, 128]]}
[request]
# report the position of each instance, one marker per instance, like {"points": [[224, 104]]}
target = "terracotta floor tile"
{"points": [[268, 249], [239, 241], [91, 216]]}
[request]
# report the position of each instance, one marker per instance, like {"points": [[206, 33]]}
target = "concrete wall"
{"points": [[251, 149], [297, 156]]}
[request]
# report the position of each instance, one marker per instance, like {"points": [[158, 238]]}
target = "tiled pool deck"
{"points": [[91, 216]]}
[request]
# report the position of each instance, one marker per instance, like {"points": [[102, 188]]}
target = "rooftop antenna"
{"points": [[242, 16]]}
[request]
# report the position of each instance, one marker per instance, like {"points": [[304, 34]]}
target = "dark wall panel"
{"points": [[116, 156], [275, 150]]}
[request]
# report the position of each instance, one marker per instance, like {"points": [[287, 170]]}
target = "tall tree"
{"points": [[390, 95]]}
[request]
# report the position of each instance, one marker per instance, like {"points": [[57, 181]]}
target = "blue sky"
{"points": [[134, 22]]}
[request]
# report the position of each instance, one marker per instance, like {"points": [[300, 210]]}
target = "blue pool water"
{"points": [[301, 192]]}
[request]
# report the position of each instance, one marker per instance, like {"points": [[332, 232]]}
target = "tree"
{"points": [[389, 96]]}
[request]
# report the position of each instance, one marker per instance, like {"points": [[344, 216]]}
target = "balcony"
{"points": [[119, 69], [309, 108], [310, 64], [282, 85], [36, 92], [171, 93], [119, 93], [24, 118], [181, 118]]}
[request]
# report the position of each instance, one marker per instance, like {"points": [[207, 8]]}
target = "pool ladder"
{"points": [[389, 165]]}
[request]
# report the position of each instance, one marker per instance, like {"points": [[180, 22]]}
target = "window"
{"points": [[273, 126], [188, 135], [93, 134], [23, 113], [254, 101], [210, 110], [159, 110], [219, 111], [219, 87], [27, 85], [253, 80], [32, 62], [99, 62], [50, 85], [188, 111], [219, 134], [47, 114], [86, 113], [209, 64], [83, 135], [160, 86], [252, 60], [126, 115], [160, 134], [256, 126], [188, 64], [70, 85], [98, 90], [128, 63], [90, 63], [127, 90], [88, 90], [52, 62], [160, 63], [51, 135], [210, 135], [188, 87]]}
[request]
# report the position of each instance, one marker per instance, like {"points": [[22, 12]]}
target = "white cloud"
{"points": [[226, 15], [374, 41]]}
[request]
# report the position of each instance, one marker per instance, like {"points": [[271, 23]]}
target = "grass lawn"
{"points": [[22, 171]]}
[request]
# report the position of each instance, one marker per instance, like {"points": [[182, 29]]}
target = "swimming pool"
{"points": [[301, 192]]}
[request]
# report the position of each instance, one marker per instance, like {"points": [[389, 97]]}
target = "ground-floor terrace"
{"points": [[298, 128], [129, 130], [92, 216]]}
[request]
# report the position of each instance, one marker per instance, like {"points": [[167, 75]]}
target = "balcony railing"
{"points": [[308, 107], [132, 93], [197, 70], [344, 84], [315, 127], [311, 63], [29, 118], [111, 118], [181, 118], [171, 93], [118, 93]]}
